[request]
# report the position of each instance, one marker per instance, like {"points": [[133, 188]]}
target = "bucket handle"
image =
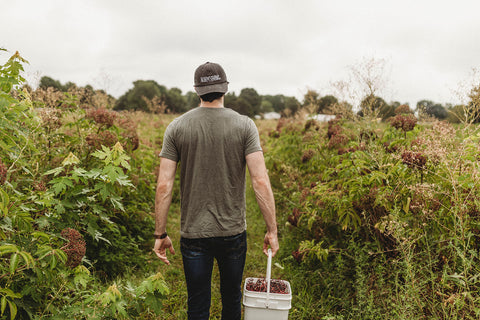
{"points": [[269, 273]]}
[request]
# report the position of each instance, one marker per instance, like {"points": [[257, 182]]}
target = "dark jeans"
{"points": [[198, 255]]}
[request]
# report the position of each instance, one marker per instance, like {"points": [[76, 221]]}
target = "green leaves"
{"points": [[16, 257], [4, 202], [313, 249], [153, 283], [115, 156], [71, 159], [10, 72], [54, 181], [7, 298]]}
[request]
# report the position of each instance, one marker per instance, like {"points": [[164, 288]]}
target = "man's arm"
{"points": [[265, 199], [163, 199]]}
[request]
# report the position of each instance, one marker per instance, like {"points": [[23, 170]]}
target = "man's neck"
{"points": [[214, 104]]}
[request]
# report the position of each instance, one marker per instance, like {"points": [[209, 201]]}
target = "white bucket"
{"points": [[266, 305]]}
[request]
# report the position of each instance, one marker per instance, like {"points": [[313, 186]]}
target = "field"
{"points": [[377, 220]]}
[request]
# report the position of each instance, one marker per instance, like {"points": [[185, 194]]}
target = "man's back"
{"points": [[211, 145]]}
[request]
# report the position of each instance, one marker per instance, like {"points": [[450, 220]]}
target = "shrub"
{"points": [[63, 207], [369, 231]]}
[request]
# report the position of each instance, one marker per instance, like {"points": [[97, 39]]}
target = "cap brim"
{"points": [[219, 87]]}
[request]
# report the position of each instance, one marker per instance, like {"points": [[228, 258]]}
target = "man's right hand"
{"points": [[271, 240]]}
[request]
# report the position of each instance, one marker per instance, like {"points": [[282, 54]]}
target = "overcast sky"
{"points": [[428, 47]]}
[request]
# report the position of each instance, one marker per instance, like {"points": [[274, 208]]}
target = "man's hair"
{"points": [[209, 97]]}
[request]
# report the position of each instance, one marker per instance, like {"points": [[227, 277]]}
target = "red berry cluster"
{"points": [[333, 128], [102, 116], [75, 248], [414, 160], [260, 285], [307, 155], [294, 217], [342, 150], [338, 140], [131, 140], [335, 134], [130, 135], [106, 138], [40, 186], [311, 124], [298, 255], [389, 148], [404, 122]]}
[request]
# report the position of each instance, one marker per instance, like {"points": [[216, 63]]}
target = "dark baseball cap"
{"points": [[210, 77]]}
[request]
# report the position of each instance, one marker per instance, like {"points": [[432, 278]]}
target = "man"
{"points": [[213, 145]]}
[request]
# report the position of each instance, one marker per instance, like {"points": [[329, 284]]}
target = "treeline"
{"points": [[375, 106], [149, 96]]}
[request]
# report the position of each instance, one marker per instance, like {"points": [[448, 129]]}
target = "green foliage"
{"points": [[325, 103], [98, 208], [373, 106], [192, 100], [429, 108], [281, 103], [47, 82], [247, 103], [146, 91], [52, 179], [383, 221], [133, 99], [175, 101]]}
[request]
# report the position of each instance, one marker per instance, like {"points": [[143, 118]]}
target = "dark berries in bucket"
{"points": [[260, 285]]}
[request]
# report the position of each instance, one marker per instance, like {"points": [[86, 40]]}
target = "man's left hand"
{"points": [[160, 249]]}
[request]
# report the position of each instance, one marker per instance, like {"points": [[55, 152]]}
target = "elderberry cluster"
{"points": [[75, 248], [102, 116], [260, 285], [414, 160]]}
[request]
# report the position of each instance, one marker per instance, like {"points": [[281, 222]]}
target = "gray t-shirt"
{"points": [[211, 145]]}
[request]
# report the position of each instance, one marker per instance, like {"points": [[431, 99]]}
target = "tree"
{"points": [[371, 79], [192, 100], [427, 107], [47, 82], [242, 106], [266, 106], [230, 100], [277, 101], [325, 103], [175, 102], [252, 98], [70, 86], [373, 105], [134, 99], [456, 114], [310, 101], [438, 111], [291, 106], [401, 108], [472, 110]]}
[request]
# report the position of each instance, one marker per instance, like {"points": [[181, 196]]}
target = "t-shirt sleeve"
{"points": [[252, 141], [169, 149]]}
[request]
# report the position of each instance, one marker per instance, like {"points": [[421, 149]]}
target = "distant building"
{"points": [[271, 115], [322, 117]]}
